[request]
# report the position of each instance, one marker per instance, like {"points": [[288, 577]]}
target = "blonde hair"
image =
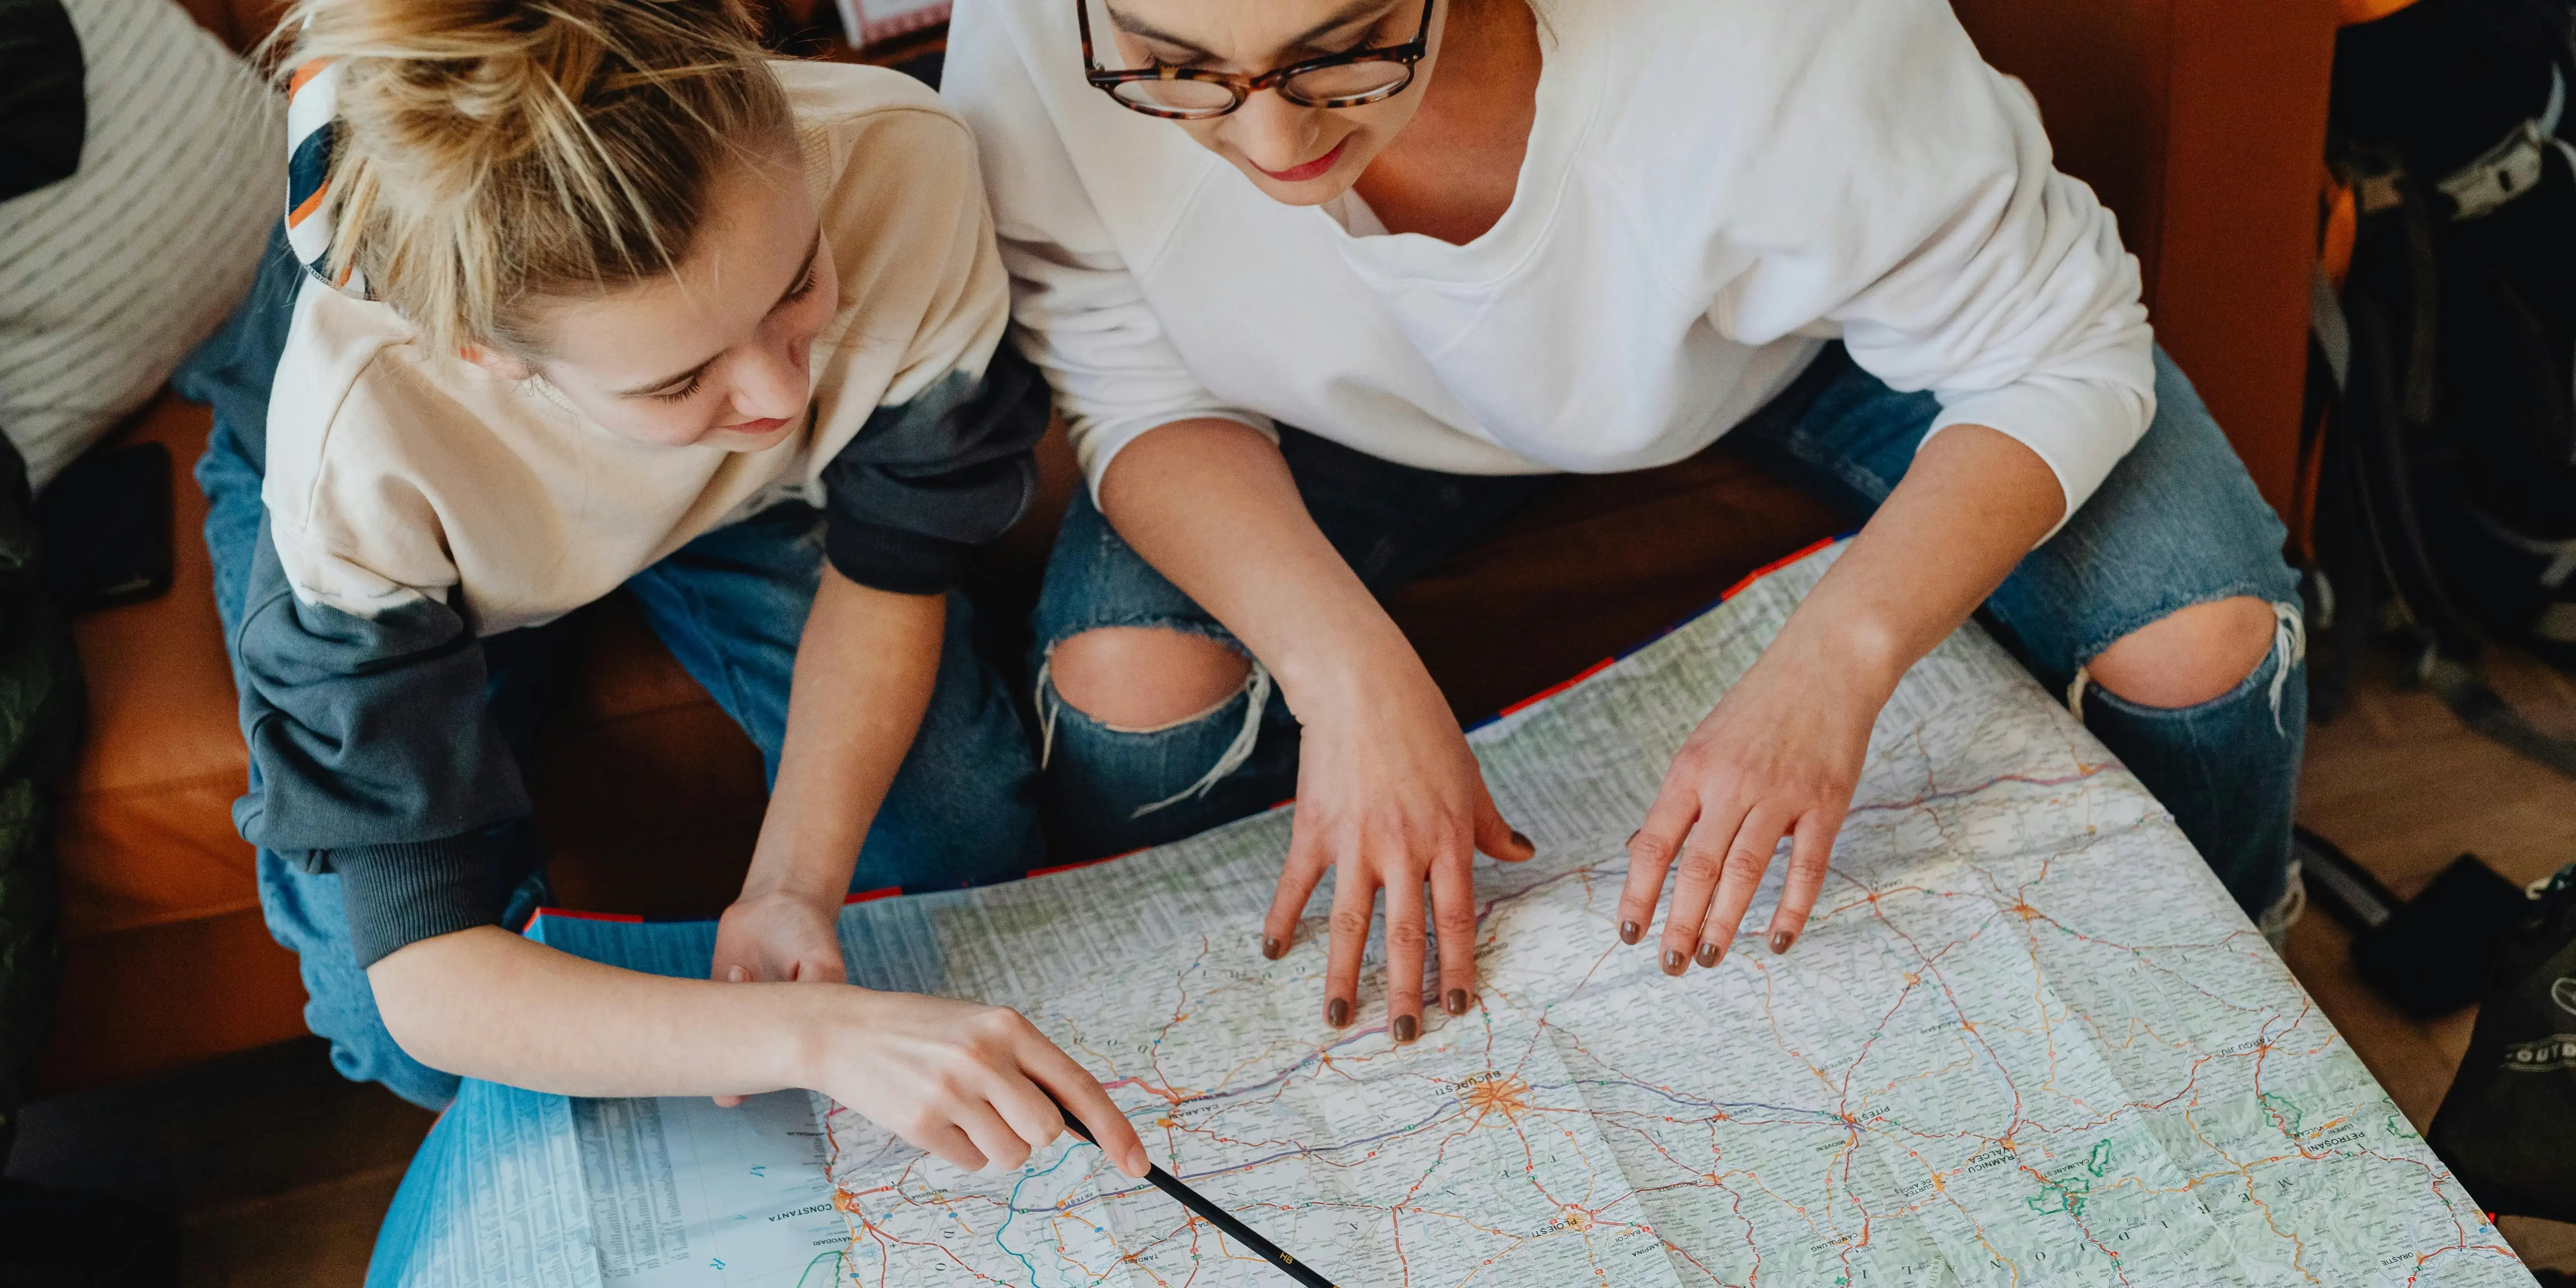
{"points": [[490, 152]]}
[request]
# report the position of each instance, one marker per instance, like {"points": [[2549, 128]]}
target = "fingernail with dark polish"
{"points": [[1456, 1001], [1522, 841], [1273, 949], [1630, 932], [1708, 955], [1337, 1013], [1405, 1027], [1781, 939], [1672, 961]]}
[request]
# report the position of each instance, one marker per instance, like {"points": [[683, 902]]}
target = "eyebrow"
{"points": [[812, 250], [1350, 13]]}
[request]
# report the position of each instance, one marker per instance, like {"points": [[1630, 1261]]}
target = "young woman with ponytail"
{"points": [[594, 296]]}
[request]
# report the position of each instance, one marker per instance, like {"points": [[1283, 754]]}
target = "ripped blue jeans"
{"points": [[2177, 523]]}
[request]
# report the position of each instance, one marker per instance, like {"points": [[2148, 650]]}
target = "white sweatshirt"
{"points": [[1713, 190]]}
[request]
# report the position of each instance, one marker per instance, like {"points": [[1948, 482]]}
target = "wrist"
{"points": [[819, 878], [819, 1019], [1866, 652], [1350, 671], [814, 890]]}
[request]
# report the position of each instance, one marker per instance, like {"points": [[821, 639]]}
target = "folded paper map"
{"points": [[2027, 1039]]}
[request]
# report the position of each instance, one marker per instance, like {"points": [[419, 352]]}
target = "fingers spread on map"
{"points": [[1777, 760], [1365, 867], [1393, 803], [970, 1083]]}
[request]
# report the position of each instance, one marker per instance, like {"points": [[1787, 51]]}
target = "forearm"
{"points": [[1973, 503], [488, 1004], [865, 668], [1211, 505]]}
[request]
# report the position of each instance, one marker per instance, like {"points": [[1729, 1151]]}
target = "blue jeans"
{"points": [[2177, 523], [731, 605]]}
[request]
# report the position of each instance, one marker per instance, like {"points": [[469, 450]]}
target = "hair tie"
{"points": [[312, 127]]}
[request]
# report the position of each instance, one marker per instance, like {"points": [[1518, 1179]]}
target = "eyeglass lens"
{"points": [[1176, 95], [1321, 87], [1349, 80]]}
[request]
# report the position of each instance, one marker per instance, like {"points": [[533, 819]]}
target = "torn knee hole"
{"points": [[2198, 655], [2191, 656], [1145, 678]]}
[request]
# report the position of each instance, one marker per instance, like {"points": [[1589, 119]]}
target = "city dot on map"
{"points": [[1505, 1096]]}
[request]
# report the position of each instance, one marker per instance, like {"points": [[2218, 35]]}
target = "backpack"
{"points": [[2444, 499], [2507, 1129]]}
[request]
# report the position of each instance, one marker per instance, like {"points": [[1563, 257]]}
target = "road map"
{"points": [[2027, 1039]]}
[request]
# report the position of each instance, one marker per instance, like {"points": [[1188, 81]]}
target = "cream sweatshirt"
{"points": [[395, 472]]}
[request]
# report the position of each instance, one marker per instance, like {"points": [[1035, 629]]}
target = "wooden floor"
{"points": [[2402, 787], [279, 1170]]}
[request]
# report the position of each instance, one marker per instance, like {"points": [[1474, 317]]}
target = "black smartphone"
{"points": [[104, 525]]}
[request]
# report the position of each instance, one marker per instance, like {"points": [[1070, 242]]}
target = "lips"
{"points": [[1311, 170], [753, 428]]}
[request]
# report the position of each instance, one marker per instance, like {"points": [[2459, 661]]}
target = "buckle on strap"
{"points": [[2513, 166], [2504, 172]]}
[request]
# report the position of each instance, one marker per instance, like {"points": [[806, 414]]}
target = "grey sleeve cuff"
{"points": [[884, 557], [398, 894], [925, 481]]}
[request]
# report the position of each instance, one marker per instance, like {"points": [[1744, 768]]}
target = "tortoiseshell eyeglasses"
{"points": [[1346, 79]]}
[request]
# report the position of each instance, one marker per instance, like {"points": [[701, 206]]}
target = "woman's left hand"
{"points": [[1780, 756]]}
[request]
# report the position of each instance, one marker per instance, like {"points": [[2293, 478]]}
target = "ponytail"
{"points": [[487, 152]]}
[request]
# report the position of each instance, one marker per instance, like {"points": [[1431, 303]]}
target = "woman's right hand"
{"points": [[1389, 796], [967, 1082], [1387, 793]]}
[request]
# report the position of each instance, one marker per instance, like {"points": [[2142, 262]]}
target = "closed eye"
{"points": [[1336, 35], [697, 379], [1160, 57], [684, 392], [1367, 35], [1186, 59], [680, 387]]}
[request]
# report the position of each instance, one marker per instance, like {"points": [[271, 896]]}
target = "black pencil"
{"points": [[1212, 1214]]}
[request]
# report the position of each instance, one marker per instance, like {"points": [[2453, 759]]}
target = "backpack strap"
{"points": [[2465, 692]]}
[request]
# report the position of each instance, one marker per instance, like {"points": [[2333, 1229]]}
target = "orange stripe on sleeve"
{"points": [[295, 218]]}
